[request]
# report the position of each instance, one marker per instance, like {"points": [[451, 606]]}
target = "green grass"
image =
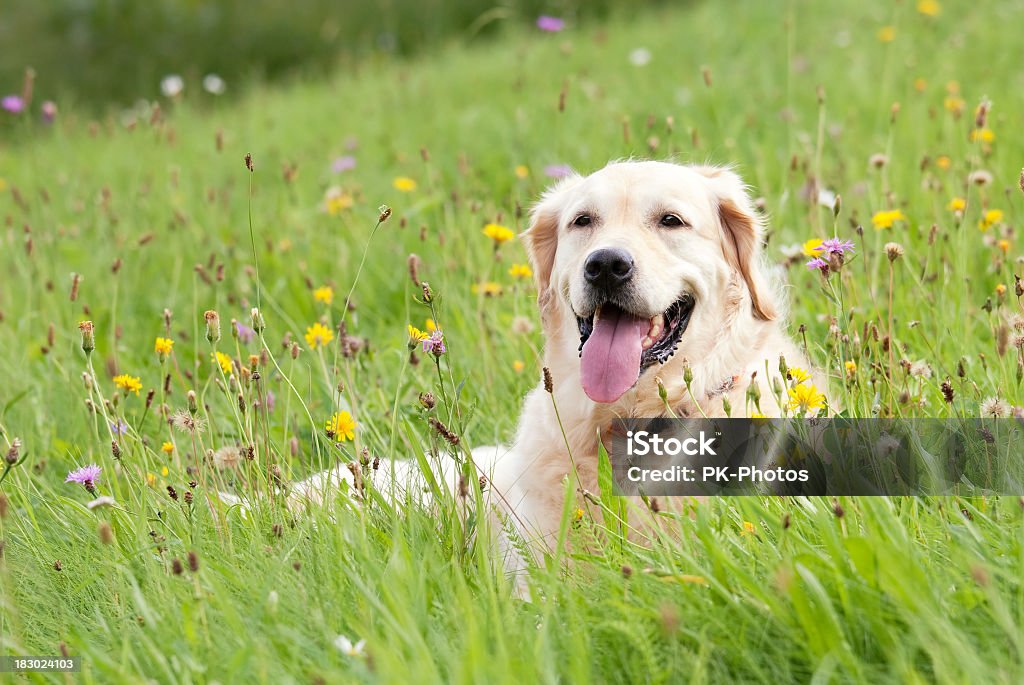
{"points": [[907, 590]]}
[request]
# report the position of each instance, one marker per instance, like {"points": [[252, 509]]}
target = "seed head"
{"points": [[176, 567], [248, 161], [893, 251], [12, 454], [385, 214], [549, 384], [106, 533]]}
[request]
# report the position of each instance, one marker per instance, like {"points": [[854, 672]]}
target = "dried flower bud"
{"points": [[662, 391], [193, 403], [427, 400], [248, 162], [258, 324], [385, 213], [893, 251], [212, 326], [428, 294], [176, 567], [549, 384], [12, 454]]}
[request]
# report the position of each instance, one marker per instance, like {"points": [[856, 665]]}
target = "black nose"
{"points": [[608, 269]]}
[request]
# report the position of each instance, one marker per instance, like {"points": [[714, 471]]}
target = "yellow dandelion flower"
{"points": [[887, 34], [128, 383], [167, 447], [223, 360], [150, 479], [498, 233], [757, 415], [886, 218], [851, 368], [430, 325], [577, 515], [957, 204], [798, 375], [1003, 245], [416, 336], [809, 247], [342, 426], [943, 162], [954, 104], [990, 219], [749, 528], [1001, 289], [318, 335], [805, 399], [985, 135], [336, 201], [518, 365], [324, 293], [520, 271], [487, 289], [929, 8], [164, 471], [521, 171], [404, 184], [163, 346]]}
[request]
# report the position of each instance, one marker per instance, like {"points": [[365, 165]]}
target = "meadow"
{"points": [[890, 125]]}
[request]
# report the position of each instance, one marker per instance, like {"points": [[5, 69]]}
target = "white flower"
{"points": [[102, 501], [214, 84], [995, 407], [172, 85], [640, 57], [349, 649]]}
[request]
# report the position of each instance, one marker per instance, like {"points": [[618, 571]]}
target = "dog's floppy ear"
{"points": [[541, 238], [743, 234]]}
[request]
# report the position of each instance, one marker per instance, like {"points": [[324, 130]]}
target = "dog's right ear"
{"points": [[541, 238]]}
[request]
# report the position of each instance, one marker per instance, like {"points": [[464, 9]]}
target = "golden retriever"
{"points": [[647, 272]]}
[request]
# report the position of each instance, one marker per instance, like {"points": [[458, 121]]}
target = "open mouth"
{"points": [[616, 346]]}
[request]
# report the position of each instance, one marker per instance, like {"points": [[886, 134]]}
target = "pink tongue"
{"points": [[610, 363]]}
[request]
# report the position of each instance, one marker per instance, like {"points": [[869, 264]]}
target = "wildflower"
{"points": [[957, 204], [640, 57], [499, 234], [435, 344], [342, 426], [384, 213], [521, 171], [518, 365], [520, 271], [212, 325], [416, 336], [487, 289], [172, 85], [227, 457], [834, 251], [886, 218], [878, 160], [749, 528], [1000, 289], [995, 407], [851, 368], [186, 422], [954, 104], [102, 501], [894, 251], [805, 398], [167, 447], [557, 171], [577, 515], [521, 325], [345, 163], [887, 34], [430, 325], [87, 476], [920, 84], [798, 375], [214, 84], [980, 177], [929, 8], [324, 293], [1003, 245], [920, 369], [163, 347], [128, 383], [811, 247], [336, 201], [13, 104], [348, 648], [990, 219], [118, 427], [404, 184], [819, 264], [985, 135], [943, 162], [223, 360], [88, 332], [245, 334], [550, 24], [318, 335]]}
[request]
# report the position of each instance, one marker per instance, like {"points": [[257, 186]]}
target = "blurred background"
{"points": [[111, 53]]}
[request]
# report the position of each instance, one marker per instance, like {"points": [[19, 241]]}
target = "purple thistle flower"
{"points": [[557, 170], [270, 400], [435, 344], [118, 427], [13, 104], [345, 163], [550, 24], [817, 263], [245, 334], [835, 246], [86, 476], [49, 111]]}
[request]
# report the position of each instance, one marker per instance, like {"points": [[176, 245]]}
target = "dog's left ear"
{"points": [[743, 234]]}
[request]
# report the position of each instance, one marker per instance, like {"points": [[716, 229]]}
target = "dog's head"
{"points": [[634, 255]]}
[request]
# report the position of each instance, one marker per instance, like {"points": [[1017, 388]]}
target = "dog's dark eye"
{"points": [[672, 221], [582, 220]]}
